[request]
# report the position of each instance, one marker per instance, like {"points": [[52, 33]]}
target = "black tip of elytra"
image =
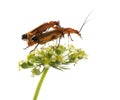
{"points": [[24, 36]]}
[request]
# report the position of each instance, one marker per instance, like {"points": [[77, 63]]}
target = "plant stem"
{"points": [[40, 83]]}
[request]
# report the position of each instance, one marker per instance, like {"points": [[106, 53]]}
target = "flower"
{"points": [[52, 56]]}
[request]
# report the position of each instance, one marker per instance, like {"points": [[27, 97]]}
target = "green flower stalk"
{"points": [[52, 56], [40, 83]]}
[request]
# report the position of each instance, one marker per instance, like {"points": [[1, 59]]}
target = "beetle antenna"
{"points": [[26, 47], [85, 21]]}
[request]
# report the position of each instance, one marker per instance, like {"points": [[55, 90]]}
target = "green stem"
{"points": [[40, 83]]}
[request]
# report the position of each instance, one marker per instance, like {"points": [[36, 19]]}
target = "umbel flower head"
{"points": [[52, 56]]}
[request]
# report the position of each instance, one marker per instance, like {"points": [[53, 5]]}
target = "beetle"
{"points": [[52, 35], [39, 31], [40, 36]]}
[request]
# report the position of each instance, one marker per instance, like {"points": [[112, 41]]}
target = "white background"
{"points": [[97, 78]]}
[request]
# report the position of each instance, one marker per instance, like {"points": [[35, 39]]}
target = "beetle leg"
{"points": [[71, 38], [59, 40], [34, 48], [26, 47]]}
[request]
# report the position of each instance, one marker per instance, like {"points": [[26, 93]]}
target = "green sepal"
{"points": [[36, 71], [25, 65]]}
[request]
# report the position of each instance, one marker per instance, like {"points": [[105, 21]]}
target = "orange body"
{"points": [[49, 36], [53, 34], [42, 36], [39, 31], [42, 28], [68, 30]]}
